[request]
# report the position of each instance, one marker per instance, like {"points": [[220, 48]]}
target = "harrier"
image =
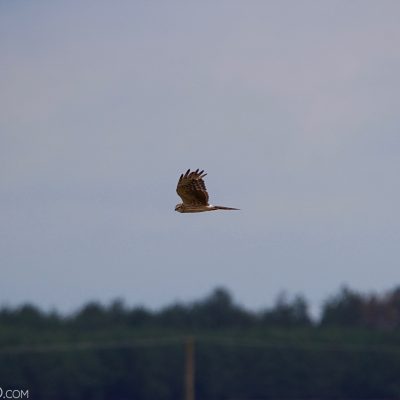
{"points": [[192, 190]]}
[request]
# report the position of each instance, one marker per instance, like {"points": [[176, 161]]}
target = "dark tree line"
{"points": [[348, 308], [116, 352], [353, 309]]}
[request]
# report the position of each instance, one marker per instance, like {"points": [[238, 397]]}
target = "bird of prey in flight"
{"points": [[192, 190]]}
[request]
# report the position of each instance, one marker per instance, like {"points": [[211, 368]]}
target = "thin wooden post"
{"points": [[189, 368]]}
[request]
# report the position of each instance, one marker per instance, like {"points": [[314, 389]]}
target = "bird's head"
{"points": [[180, 207]]}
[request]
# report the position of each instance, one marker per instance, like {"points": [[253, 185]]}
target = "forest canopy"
{"points": [[118, 352], [347, 308]]}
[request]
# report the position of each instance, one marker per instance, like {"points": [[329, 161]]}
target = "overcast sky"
{"points": [[292, 107]]}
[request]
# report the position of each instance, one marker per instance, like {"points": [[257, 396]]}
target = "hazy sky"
{"points": [[292, 107]]}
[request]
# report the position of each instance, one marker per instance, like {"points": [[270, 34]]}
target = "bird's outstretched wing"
{"points": [[192, 189]]}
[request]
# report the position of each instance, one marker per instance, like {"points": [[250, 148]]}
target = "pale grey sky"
{"points": [[292, 107]]}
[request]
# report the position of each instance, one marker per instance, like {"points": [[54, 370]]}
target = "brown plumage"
{"points": [[192, 190]]}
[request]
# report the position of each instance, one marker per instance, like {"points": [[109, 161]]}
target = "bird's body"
{"points": [[194, 209], [192, 190]]}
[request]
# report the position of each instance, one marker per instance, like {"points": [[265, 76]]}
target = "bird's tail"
{"points": [[225, 208]]}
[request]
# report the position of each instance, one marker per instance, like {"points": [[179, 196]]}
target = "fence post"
{"points": [[189, 368]]}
